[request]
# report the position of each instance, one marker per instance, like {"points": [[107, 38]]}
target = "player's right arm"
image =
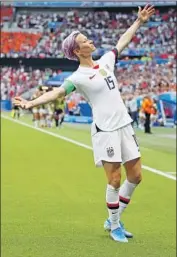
{"points": [[66, 88]]}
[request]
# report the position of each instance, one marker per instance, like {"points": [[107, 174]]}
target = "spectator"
{"points": [[41, 33]]}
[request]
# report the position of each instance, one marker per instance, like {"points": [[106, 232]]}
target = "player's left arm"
{"points": [[143, 16]]}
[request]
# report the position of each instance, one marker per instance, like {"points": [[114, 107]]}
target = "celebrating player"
{"points": [[35, 109], [113, 137], [59, 111]]}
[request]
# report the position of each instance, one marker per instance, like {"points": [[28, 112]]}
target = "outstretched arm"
{"points": [[66, 88], [43, 99], [143, 16]]}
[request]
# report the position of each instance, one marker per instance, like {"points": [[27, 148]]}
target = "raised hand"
{"points": [[24, 104], [146, 13]]}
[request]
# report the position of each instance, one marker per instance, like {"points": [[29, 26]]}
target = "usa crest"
{"points": [[110, 151], [103, 72]]}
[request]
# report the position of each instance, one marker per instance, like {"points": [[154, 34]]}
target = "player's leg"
{"points": [[56, 117], [132, 163], [141, 120], [134, 177], [106, 146], [45, 116], [52, 118], [18, 113], [35, 117], [41, 116], [48, 120], [113, 173], [49, 117], [15, 113], [62, 118]]}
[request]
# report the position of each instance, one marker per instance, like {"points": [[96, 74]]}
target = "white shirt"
{"points": [[100, 88]]}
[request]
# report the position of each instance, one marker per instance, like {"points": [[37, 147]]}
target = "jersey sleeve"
{"points": [[110, 58], [68, 86]]}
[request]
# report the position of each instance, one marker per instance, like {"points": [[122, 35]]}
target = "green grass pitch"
{"points": [[53, 197]]}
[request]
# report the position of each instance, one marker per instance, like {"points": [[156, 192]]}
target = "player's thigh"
{"points": [[131, 155], [129, 144], [106, 147]]}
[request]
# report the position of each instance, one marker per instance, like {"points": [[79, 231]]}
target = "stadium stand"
{"points": [[102, 26]]}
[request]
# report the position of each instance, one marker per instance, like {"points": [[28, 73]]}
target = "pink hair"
{"points": [[69, 44]]}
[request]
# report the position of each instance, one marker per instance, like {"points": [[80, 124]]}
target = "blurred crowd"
{"points": [[17, 81], [157, 78], [41, 34], [132, 79]]}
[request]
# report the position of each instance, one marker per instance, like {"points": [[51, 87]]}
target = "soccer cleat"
{"points": [[107, 227], [126, 233], [118, 235]]}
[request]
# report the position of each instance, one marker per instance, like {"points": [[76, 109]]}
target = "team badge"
{"points": [[103, 72], [110, 151]]}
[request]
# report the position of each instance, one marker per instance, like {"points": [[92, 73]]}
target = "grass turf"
{"points": [[53, 199]]}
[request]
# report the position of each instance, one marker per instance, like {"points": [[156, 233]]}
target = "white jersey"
{"points": [[100, 87]]}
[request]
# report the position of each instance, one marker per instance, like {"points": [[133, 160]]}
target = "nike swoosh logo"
{"points": [[92, 76]]}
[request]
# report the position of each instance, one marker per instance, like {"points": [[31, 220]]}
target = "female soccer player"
{"points": [[113, 138]]}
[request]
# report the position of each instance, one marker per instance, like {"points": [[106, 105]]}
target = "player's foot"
{"points": [[126, 233], [118, 235], [107, 227]]}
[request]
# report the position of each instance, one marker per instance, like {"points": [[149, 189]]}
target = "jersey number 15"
{"points": [[110, 82]]}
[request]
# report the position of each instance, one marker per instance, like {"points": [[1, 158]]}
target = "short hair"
{"points": [[69, 44]]}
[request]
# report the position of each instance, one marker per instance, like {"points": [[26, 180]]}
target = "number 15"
{"points": [[110, 82]]}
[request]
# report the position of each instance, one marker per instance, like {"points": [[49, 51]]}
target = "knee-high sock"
{"points": [[113, 206], [125, 193]]}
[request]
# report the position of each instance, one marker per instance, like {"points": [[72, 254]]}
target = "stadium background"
{"points": [[39, 212]]}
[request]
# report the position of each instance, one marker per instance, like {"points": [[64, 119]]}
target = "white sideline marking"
{"points": [[158, 172], [172, 173]]}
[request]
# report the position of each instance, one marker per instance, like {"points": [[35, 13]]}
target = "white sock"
{"points": [[112, 201], [36, 123], [42, 122], [125, 193], [49, 123]]}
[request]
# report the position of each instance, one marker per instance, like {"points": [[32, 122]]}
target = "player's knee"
{"points": [[113, 173], [115, 179], [137, 178]]}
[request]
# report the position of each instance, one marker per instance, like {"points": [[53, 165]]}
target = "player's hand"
{"points": [[146, 13], [24, 104]]}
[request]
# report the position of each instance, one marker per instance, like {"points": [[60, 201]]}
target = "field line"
{"points": [[158, 172]]}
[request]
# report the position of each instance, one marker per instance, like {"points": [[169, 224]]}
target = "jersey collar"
{"points": [[88, 68]]}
